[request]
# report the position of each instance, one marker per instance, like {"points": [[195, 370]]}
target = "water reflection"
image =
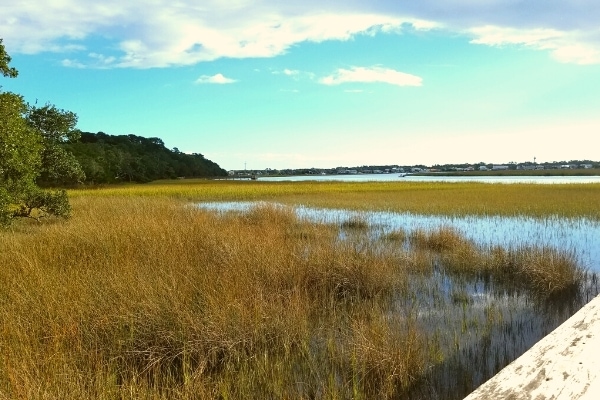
{"points": [[475, 323], [578, 235], [434, 178]]}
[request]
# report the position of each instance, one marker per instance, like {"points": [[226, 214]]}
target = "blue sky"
{"points": [[272, 84]]}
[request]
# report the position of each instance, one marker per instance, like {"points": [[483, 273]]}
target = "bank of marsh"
{"points": [[141, 295]]}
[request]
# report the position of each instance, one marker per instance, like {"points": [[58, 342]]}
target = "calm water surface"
{"points": [[578, 235], [480, 327], [422, 178]]}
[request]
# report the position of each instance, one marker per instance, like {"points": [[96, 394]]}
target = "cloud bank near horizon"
{"points": [[138, 34]]}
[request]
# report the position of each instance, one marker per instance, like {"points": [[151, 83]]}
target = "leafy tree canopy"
{"points": [[56, 127], [131, 158], [30, 151], [4, 61]]}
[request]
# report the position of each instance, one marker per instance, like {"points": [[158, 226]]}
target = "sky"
{"points": [[281, 84]]}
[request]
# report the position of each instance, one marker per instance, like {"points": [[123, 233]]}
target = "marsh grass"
{"points": [[143, 298], [443, 198], [543, 270], [441, 239], [397, 235], [355, 222], [140, 295]]}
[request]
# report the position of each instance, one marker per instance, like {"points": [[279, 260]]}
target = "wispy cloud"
{"points": [[215, 79], [371, 75], [287, 72], [162, 33], [564, 46], [295, 74], [290, 72], [67, 62]]}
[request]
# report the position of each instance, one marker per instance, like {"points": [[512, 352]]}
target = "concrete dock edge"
{"points": [[564, 365]]}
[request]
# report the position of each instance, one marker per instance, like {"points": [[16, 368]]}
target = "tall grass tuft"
{"points": [[441, 239], [546, 271], [543, 270]]}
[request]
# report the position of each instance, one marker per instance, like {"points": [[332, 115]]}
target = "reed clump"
{"points": [[397, 235], [545, 270], [542, 270], [355, 222], [441, 239], [389, 361], [141, 297]]}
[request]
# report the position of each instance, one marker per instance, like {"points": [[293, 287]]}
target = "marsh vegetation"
{"points": [[144, 295]]}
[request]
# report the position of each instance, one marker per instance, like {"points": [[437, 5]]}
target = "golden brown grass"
{"points": [[145, 298], [141, 295], [544, 271], [536, 200]]}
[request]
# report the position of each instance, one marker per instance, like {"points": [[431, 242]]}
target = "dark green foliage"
{"points": [[130, 158], [56, 127], [5, 212], [20, 145], [4, 61], [39, 204], [29, 150]]}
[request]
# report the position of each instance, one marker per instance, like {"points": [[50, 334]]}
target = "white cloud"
{"points": [[287, 72], [290, 72], [569, 47], [371, 75], [494, 35], [162, 33], [217, 78]]}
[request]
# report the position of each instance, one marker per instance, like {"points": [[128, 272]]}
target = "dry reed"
{"points": [[143, 298], [140, 295]]}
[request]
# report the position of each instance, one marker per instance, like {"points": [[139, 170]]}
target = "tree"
{"points": [[4, 61], [129, 158], [29, 139], [56, 127], [20, 159]]}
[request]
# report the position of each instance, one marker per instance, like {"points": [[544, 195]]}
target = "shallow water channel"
{"points": [[478, 326], [578, 235]]}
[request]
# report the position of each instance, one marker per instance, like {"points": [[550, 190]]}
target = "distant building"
{"points": [[499, 167]]}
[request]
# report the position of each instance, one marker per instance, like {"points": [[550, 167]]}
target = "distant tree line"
{"points": [[129, 158]]}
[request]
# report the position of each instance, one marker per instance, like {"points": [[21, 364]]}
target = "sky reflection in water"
{"points": [[578, 235], [479, 326]]}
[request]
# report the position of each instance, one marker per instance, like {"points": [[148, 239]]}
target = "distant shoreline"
{"points": [[519, 172]]}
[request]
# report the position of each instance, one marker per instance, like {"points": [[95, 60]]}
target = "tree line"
{"points": [[40, 147], [129, 158]]}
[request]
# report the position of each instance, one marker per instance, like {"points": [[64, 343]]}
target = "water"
{"points": [[478, 324], [578, 235], [429, 178]]}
